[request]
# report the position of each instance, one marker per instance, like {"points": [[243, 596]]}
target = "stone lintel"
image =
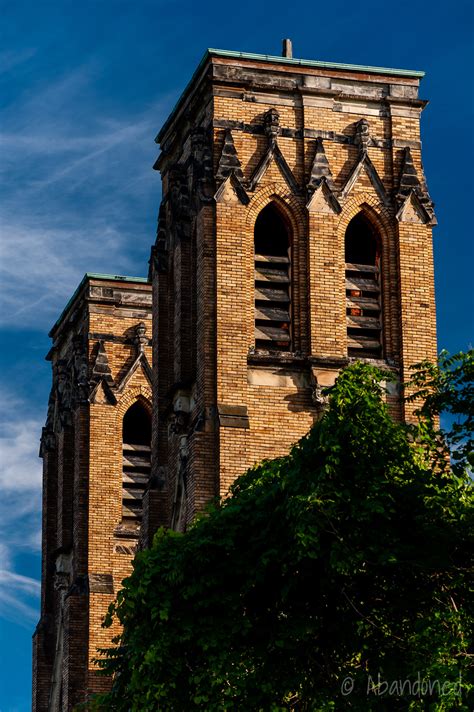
{"points": [[278, 377], [233, 416]]}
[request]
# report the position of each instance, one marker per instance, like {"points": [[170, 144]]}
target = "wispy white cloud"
{"points": [[20, 583], [20, 507], [40, 267], [11, 58], [79, 194], [20, 465], [5, 558], [14, 589]]}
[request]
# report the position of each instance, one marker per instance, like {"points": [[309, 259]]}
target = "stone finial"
{"points": [[271, 121], [408, 176], [287, 50], [101, 375], [410, 182], [229, 160], [320, 168], [101, 369]]}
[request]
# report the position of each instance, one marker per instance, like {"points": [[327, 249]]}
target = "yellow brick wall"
{"points": [[318, 289], [105, 473]]}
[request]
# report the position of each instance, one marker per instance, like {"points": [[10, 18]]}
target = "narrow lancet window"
{"points": [[363, 293], [272, 281], [136, 463]]}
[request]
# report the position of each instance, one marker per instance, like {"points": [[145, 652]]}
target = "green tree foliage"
{"points": [[446, 387], [349, 558]]}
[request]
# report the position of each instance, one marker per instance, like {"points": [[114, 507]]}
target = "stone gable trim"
{"points": [[323, 200], [273, 152], [231, 191], [364, 163], [413, 206]]}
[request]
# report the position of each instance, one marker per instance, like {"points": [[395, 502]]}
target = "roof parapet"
{"points": [[286, 60]]}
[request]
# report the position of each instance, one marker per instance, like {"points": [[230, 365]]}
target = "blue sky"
{"points": [[85, 88]]}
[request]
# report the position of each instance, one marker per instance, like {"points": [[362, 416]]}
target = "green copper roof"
{"points": [[316, 63], [272, 59], [113, 277], [95, 275]]}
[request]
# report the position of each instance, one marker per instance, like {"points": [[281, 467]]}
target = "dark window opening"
{"points": [[363, 294], [272, 281], [136, 438]]}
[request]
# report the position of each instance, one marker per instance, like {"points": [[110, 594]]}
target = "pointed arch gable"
{"points": [[291, 207], [379, 215], [142, 393], [132, 395]]}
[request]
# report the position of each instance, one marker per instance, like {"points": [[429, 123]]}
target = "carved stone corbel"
{"points": [[140, 339], [322, 379], [271, 124], [362, 135]]}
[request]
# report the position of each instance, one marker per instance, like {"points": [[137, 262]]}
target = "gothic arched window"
{"points": [[136, 438], [272, 281], [363, 293]]}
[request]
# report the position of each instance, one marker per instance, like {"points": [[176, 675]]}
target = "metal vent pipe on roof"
{"points": [[287, 49]]}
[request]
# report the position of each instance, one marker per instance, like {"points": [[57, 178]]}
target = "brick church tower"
{"points": [[96, 463], [294, 236]]}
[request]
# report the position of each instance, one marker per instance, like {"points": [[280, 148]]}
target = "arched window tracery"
{"points": [[363, 289], [272, 244], [136, 444]]}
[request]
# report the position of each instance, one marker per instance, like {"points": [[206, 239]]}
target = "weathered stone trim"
{"points": [[101, 583]]}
